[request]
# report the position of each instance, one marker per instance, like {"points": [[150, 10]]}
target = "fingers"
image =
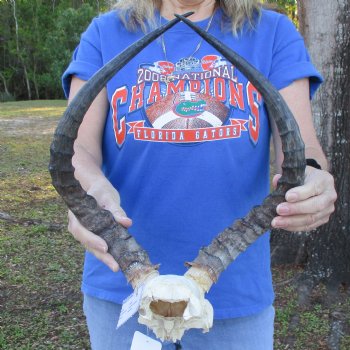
{"points": [[93, 243], [317, 204], [84, 236], [275, 180], [121, 217], [308, 206], [106, 258], [316, 183], [304, 222], [109, 199]]}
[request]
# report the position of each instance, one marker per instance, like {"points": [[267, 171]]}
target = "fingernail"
{"points": [[102, 248], [277, 223], [115, 267], [125, 221], [291, 197], [282, 209]]}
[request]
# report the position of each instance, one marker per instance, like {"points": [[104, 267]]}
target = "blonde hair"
{"points": [[136, 14]]}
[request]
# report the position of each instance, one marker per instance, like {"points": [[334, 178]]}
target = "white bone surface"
{"points": [[172, 304]]}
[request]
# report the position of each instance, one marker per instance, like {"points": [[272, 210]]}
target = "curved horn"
{"points": [[132, 259], [235, 239]]}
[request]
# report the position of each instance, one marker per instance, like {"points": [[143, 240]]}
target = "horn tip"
{"points": [[187, 14]]}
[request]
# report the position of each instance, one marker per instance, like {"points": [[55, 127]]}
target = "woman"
{"points": [[180, 140]]}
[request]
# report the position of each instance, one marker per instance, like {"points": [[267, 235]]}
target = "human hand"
{"points": [[108, 198], [172, 304], [308, 206]]}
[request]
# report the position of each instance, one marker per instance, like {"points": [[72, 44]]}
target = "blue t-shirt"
{"points": [[186, 144]]}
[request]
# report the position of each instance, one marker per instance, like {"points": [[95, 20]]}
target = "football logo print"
{"points": [[187, 110]]}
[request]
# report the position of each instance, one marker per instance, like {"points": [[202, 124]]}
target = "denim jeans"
{"points": [[245, 333]]}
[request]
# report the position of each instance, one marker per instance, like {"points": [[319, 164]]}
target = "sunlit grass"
{"points": [[40, 108]]}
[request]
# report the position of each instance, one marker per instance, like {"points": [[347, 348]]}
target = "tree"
{"points": [[18, 51], [30, 65], [325, 254], [69, 20], [288, 6], [325, 26]]}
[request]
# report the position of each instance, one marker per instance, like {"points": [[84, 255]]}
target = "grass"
{"points": [[40, 269], [41, 263], [36, 109]]}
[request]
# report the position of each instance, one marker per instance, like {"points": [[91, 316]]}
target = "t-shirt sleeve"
{"points": [[291, 60], [87, 57]]}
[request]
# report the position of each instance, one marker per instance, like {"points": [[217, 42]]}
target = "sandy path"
{"points": [[28, 126]]}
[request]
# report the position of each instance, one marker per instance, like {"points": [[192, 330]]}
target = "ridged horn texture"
{"points": [[237, 238], [133, 260]]}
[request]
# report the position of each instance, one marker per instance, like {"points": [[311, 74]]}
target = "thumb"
{"points": [[275, 180], [121, 217]]}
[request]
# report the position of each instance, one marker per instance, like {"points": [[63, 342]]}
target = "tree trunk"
{"points": [[7, 92], [37, 96], [26, 77], [325, 26], [20, 58]]}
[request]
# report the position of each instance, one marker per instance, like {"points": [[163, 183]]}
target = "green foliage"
{"points": [[6, 97], [33, 57], [287, 6], [59, 45]]}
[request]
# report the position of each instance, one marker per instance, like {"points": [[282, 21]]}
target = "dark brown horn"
{"points": [[132, 259], [235, 239]]}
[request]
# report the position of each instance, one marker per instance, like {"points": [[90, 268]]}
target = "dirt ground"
{"points": [[34, 126]]}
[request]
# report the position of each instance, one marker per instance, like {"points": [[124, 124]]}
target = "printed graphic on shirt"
{"points": [[187, 102]]}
